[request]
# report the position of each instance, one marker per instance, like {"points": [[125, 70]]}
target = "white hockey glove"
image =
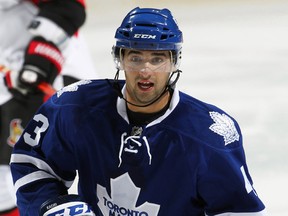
{"points": [[67, 205]]}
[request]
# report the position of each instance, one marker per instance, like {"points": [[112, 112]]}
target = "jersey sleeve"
{"points": [[225, 186], [70, 15], [57, 21], [43, 163]]}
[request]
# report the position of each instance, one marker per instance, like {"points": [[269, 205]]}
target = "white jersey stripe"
{"points": [[31, 178], [21, 158], [261, 213]]}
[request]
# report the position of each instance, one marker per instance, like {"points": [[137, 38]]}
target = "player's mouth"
{"points": [[145, 85]]}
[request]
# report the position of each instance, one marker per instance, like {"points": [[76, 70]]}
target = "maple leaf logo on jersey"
{"points": [[224, 126], [72, 87], [124, 195]]}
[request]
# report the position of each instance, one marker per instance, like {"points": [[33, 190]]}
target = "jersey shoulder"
{"points": [[209, 124], [84, 93]]}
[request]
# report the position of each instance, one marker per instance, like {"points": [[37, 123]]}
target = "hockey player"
{"points": [[141, 146], [39, 43]]}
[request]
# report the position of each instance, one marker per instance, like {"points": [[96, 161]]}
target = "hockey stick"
{"points": [[44, 87]]}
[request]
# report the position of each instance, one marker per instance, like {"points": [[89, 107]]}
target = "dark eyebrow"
{"points": [[153, 53], [159, 54], [133, 52]]}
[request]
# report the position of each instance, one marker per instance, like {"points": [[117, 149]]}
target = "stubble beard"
{"points": [[143, 98]]}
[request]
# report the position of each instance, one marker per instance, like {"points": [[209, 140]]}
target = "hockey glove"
{"points": [[11, 82], [43, 62], [66, 205]]}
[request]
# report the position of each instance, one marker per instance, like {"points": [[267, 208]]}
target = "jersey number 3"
{"points": [[37, 131]]}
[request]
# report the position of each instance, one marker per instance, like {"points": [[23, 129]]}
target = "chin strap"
{"points": [[170, 84]]}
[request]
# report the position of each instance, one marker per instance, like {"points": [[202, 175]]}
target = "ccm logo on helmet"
{"points": [[145, 36]]}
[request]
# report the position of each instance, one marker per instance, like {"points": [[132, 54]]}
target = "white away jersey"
{"points": [[188, 162]]}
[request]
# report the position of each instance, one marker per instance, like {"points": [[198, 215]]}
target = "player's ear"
{"points": [[121, 66]]}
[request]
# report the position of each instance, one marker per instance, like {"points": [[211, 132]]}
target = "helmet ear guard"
{"points": [[176, 57], [116, 57]]}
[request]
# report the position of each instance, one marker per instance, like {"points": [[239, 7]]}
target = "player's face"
{"points": [[147, 73]]}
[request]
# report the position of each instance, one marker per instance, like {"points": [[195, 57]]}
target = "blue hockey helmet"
{"points": [[149, 29]]}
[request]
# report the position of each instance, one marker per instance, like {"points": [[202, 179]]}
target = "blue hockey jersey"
{"points": [[190, 161]]}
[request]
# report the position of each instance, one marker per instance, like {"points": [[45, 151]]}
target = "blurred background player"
{"points": [[39, 43]]}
